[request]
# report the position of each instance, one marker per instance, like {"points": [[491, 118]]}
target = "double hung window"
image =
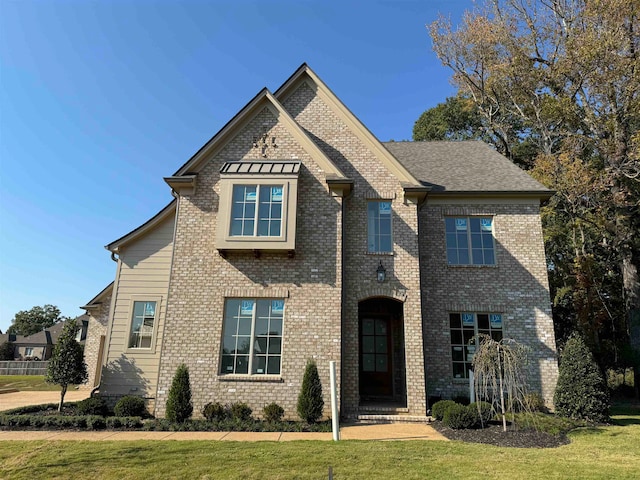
{"points": [[379, 220], [252, 336], [465, 328], [470, 241], [142, 324]]}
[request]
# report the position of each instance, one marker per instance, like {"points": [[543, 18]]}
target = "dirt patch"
{"points": [[494, 435]]}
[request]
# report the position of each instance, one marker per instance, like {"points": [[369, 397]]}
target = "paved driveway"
{"points": [[21, 399]]}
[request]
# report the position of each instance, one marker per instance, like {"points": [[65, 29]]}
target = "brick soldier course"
{"points": [[328, 280]]}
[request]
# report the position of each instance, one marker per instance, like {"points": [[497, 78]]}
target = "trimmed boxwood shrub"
{"points": [[214, 411], [130, 406], [241, 411], [483, 411], [92, 406], [581, 391], [439, 408], [124, 422], [460, 416], [273, 412], [96, 422]]}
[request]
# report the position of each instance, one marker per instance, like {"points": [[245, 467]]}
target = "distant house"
{"points": [[39, 346], [295, 234]]}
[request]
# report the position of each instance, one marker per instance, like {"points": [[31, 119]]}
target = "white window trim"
{"points": [[156, 321]]}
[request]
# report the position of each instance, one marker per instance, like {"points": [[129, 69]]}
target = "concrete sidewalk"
{"points": [[380, 432]]}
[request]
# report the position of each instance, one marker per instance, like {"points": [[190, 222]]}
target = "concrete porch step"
{"points": [[391, 418]]}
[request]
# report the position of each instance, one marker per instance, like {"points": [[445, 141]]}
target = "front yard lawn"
{"points": [[28, 383], [602, 452]]}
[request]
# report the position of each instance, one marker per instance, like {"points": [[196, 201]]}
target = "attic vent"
{"points": [[277, 167]]}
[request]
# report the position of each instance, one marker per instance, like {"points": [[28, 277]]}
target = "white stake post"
{"points": [[472, 391], [335, 425]]}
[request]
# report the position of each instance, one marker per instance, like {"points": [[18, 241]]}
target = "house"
{"points": [[39, 346], [295, 234]]}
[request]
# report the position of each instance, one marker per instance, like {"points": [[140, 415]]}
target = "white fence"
{"points": [[23, 368]]}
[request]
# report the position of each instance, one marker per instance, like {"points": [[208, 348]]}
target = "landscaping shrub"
{"points": [[483, 411], [130, 406], [581, 392], [310, 402], [124, 422], [533, 402], [273, 412], [214, 411], [241, 411], [179, 406], [92, 406], [460, 416], [440, 408], [96, 422]]}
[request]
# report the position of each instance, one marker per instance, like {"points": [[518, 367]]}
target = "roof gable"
{"points": [[242, 118], [143, 229], [305, 74]]}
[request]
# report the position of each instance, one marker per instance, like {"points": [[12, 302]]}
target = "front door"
{"points": [[376, 378]]}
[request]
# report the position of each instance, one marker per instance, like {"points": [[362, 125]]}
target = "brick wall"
{"points": [[97, 327], [517, 287]]}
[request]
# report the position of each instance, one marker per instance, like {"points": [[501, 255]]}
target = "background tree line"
{"points": [[554, 86]]}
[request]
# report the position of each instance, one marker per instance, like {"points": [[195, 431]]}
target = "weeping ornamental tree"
{"points": [[499, 375], [66, 366]]}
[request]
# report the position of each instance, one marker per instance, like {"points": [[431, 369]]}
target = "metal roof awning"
{"points": [[262, 167]]}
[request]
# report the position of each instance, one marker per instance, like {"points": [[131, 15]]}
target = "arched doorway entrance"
{"points": [[381, 351]]}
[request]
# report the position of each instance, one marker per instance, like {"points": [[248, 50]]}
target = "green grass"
{"points": [[603, 452], [28, 383]]}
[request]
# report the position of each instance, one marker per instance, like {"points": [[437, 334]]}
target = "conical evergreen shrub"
{"points": [[581, 391], [310, 402], [179, 406]]}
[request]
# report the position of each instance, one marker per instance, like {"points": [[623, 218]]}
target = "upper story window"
{"points": [[258, 202], [470, 241], [142, 324], [263, 221], [379, 235]]}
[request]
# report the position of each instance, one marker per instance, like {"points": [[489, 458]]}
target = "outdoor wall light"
{"points": [[381, 273]]}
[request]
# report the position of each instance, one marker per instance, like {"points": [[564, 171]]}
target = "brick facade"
{"points": [[329, 284], [97, 328]]}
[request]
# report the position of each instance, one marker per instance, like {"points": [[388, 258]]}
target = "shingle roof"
{"points": [[466, 166]]}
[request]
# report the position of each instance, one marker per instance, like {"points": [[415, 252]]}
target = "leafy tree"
{"points": [[28, 322], [179, 406], [455, 119], [562, 79], [310, 402], [581, 391], [66, 365], [6, 351]]}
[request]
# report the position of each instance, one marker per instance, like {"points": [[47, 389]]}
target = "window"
{"points": [[263, 221], [379, 227], [470, 241], [28, 352], [258, 206], [252, 336], [464, 328], [142, 324]]}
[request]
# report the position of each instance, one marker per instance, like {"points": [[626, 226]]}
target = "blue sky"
{"points": [[100, 100]]}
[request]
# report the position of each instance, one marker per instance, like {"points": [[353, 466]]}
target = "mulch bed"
{"points": [[493, 434]]}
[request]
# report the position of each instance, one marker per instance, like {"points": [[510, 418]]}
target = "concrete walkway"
{"points": [[380, 432], [22, 399]]}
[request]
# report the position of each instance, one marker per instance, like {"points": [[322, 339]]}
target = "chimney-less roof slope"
{"points": [[465, 166]]}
